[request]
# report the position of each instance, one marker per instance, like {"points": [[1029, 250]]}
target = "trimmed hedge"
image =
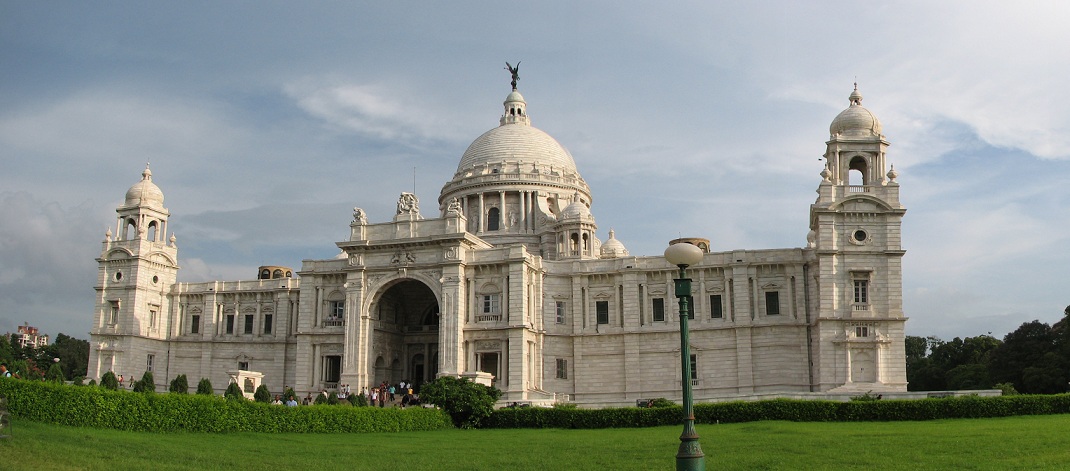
{"points": [[783, 409], [101, 408]]}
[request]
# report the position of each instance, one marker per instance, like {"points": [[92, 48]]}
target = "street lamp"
{"points": [[689, 456]]}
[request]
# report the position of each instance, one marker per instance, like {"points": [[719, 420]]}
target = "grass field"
{"points": [[1028, 443]]}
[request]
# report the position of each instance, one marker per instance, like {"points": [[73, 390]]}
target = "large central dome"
{"points": [[517, 142]]}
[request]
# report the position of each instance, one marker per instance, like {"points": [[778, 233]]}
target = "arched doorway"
{"points": [[406, 320]]}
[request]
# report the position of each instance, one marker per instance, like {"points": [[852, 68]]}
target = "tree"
{"points": [[205, 387], [55, 374], [1029, 358], [466, 402], [262, 394], [233, 393], [179, 385], [73, 355], [146, 384], [109, 381]]}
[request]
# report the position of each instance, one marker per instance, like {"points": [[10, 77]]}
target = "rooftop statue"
{"points": [[515, 72]]}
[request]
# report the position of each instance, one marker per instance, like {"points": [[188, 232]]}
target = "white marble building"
{"points": [[507, 281]]}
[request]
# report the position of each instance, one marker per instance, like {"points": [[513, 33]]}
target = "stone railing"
{"points": [[333, 322], [488, 317]]}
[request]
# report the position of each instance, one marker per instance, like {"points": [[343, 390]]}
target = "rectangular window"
{"points": [[602, 310], [149, 360], [861, 291], [861, 331], [694, 369], [152, 319], [772, 303], [491, 304], [267, 323], [248, 324], [559, 309], [336, 309], [332, 368], [716, 309], [114, 316], [243, 365], [230, 323], [562, 368], [195, 324], [691, 308], [657, 312]]}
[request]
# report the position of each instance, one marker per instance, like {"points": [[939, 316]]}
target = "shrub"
{"points": [[79, 381], [868, 396], [466, 402], [109, 381], [179, 385], [1007, 388], [359, 400], [332, 399], [320, 399], [233, 393], [205, 387], [662, 402], [146, 384], [92, 382], [100, 408], [289, 392], [262, 394], [55, 374]]}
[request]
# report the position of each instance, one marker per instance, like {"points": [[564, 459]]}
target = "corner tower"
{"points": [[136, 269], [855, 239]]}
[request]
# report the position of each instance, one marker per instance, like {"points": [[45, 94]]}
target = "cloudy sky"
{"points": [[266, 122]]}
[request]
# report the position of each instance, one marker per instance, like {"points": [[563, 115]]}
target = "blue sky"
{"points": [[266, 122]]}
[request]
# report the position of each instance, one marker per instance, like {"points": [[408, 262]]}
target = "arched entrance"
{"points": [[406, 320]]}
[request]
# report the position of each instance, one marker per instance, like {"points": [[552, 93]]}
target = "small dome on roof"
{"points": [[613, 248], [575, 210], [856, 120], [144, 192]]}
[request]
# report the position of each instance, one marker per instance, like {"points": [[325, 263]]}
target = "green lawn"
{"points": [[1028, 443]]}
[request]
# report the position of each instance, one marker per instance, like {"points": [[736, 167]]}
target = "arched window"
{"points": [[131, 230], [858, 173], [575, 247], [586, 243], [276, 274], [493, 219], [151, 235]]}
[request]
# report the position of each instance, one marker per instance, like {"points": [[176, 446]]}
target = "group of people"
{"points": [[380, 395]]}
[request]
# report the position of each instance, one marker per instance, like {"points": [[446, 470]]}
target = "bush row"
{"points": [[783, 409], [147, 412]]}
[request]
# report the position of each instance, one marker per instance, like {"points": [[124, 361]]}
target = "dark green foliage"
{"points": [[146, 384], [109, 381], [320, 399], [205, 387], [55, 374], [78, 381], [262, 394], [358, 400], [662, 402], [179, 385], [100, 408], [233, 393], [289, 392], [466, 402], [783, 409], [73, 355], [332, 399], [92, 382]]}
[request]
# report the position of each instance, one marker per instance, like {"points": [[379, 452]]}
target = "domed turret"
{"points": [[855, 120], [613, 248], [145, 192]]}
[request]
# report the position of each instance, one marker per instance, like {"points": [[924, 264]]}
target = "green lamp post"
{"points": [[689, 456]]}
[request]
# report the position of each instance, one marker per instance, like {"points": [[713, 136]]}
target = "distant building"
{"points": [[28, 336], [508, 283]]}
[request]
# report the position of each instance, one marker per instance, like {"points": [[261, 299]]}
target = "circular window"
{"points": [[860, 235], [155, 279], [118, 276]]}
